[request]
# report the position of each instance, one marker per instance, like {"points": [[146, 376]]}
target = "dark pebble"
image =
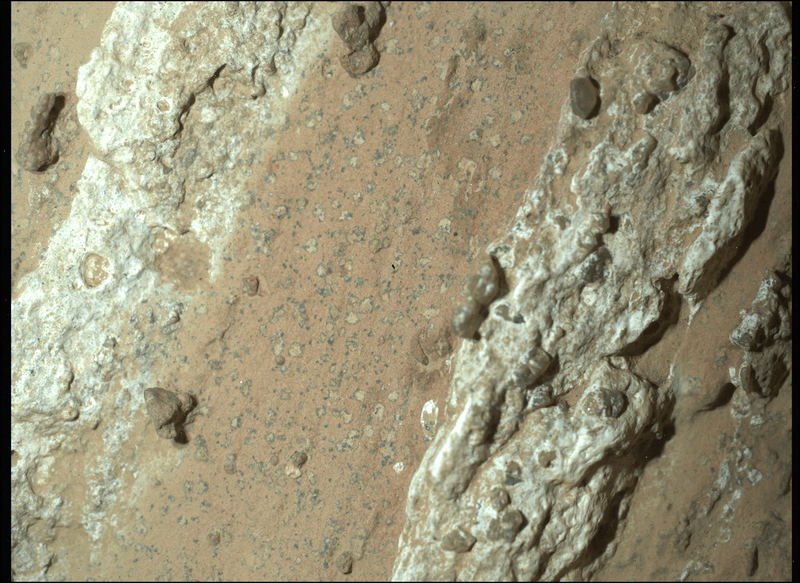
{"points": [[584, 97]]}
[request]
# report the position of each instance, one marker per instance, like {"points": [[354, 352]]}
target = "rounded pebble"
{"points": [[344, 563], [299, 458], [70, 414], [458, 541], [485, 285], [606, 403], [95, 270], [499, 498], [642, 102], [250, 285], [467, 318], [584, 97]]}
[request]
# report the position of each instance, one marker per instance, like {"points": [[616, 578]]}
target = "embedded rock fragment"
{"points": [[344, 563], [250, 285], [764, 334], [643, 102], [769, 317], [467, 318], [603, 403], [619, 207], [38, 150], [482, 289], [168, 410], [660, 71], [95, 270], [458, 541], [583, 97], [535, 364], [22, 52], [294, 468], [484, 286], [357, 26]]}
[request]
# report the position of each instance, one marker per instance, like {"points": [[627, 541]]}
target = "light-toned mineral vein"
{"points": [[177, 101], [655, 189]]}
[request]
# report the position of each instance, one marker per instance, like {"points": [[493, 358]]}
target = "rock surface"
{"points": [[585, 293], [38, 151], [245, 221], [357, 27], [168, 411], [583, 96]]}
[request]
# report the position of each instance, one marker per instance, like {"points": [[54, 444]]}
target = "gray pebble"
{"points": [[467, 318], [458, 541], [167, 410], [607, 403], [643, 102], [344, 563], [584, 96]]}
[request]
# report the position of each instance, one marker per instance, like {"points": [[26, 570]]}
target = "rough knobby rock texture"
{"points": [[514, 488], [357, 27], [169, 114], [168, 411], [267, 209], [38, 150]]}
